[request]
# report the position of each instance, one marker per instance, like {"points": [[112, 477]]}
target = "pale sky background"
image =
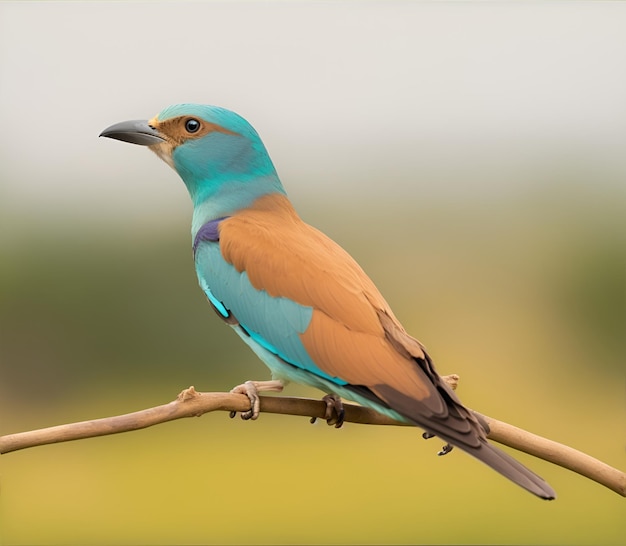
{"points": [[378, 98]]}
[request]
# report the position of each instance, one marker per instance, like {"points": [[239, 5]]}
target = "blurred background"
{"points": [[470, 155]]}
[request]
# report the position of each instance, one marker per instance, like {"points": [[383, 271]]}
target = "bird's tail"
{"points": [[512, 469], [475, 443]]}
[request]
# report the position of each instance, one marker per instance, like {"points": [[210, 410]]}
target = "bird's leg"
{"points": [[252, 389], [335, 411], [444, 450]]}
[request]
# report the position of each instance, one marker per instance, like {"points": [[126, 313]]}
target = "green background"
{"points": [[494, 226]]}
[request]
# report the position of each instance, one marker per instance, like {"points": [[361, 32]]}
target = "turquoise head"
{"points": [[216, 152]]}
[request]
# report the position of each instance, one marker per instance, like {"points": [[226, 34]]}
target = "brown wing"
{"points": [[353, 333]]}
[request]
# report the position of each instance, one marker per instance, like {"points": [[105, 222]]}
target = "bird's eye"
{"points": [[192, 125]]}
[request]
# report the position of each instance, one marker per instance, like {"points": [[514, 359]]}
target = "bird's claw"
{"points": [[250, 390], [334, 413], [444, 450]]}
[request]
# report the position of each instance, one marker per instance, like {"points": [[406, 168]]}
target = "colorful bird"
{"points": [[299, 300]]}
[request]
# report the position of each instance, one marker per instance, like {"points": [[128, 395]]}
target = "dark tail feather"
{"points": [[461, 428], [512, 469]]}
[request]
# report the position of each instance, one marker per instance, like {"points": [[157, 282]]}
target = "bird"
{"points": [[293, 295]]}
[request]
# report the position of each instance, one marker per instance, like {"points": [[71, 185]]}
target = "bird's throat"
{"points": [[164, 151]]}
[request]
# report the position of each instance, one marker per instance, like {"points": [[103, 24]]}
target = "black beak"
{"points": [[135, 132]]}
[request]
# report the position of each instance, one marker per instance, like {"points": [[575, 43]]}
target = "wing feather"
{"points": [[353, 334]]}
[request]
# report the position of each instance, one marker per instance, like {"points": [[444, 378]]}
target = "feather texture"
{"points": [[351, 333]]}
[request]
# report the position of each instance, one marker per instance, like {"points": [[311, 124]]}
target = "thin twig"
{"points": [[191, 403]]}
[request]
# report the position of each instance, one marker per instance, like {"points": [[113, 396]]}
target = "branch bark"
{"points": [[191, 403]]}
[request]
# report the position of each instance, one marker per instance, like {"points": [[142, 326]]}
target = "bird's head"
{"points": [[215, 151]]}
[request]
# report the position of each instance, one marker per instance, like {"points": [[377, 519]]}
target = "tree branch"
{"points": [[191, 403]]}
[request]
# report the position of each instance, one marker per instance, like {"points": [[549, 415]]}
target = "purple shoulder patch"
{"points": [[208, 232]]}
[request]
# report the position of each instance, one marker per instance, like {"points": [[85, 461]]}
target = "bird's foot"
{"points": [[252, 389], [335, 412], [444, 450]]}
